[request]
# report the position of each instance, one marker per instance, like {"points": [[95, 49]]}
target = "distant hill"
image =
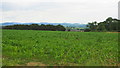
{"points": [[46, 23]]}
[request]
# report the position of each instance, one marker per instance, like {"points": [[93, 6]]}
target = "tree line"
{"points": [[36, 27], [109, 24]]}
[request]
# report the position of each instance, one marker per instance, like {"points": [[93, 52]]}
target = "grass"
{"points": [[59, 48]]}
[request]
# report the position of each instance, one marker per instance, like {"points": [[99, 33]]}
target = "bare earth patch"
{"points": [[35, 64], [118, 64]]}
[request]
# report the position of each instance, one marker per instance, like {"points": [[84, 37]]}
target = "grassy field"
{"points": [[48, 48]]}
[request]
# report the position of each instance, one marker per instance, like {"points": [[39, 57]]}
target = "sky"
{"points": [[57, 11]]}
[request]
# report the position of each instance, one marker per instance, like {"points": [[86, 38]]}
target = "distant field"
{"points": [[50, 48]]}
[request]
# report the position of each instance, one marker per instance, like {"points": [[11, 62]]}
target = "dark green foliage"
{"points": [[87, 30], [109, 24], [36, 27]]}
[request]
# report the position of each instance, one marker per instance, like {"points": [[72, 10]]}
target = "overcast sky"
{"points": [[57, 11]]}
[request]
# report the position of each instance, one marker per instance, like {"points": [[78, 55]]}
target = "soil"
{"points": [[35, 64]]}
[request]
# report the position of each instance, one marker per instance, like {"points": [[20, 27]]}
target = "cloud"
{"points": [[26, 1], [83, 11], [6, 6]]}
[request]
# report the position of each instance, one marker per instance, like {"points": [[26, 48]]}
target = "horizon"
{"points": [[81, 12], [55, 22], [41, 22]]}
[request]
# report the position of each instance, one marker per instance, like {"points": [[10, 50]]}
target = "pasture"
{"points": [[59, 48]]}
